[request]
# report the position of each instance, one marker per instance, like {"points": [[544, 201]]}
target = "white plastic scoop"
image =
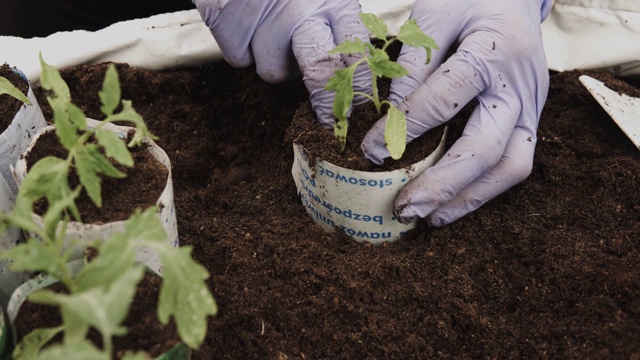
{"points": [[623, 109]]}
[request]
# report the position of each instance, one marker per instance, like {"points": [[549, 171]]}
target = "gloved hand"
{"points": [[274, 34], [499, 59]]}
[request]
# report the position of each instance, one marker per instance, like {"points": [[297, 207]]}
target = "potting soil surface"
{"points": [[548, 269]]}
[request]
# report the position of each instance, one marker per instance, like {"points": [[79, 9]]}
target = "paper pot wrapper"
{"points": [[89, 232], [15, 139], [359, 203], [9, 280]]}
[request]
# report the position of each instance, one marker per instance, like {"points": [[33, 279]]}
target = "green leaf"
{"points": [[381, 65], [50, 79], [83, 350], [66, 130], [375, 25], [77, 117], [136, 356], [90, 163], [412, 35], [395, 133], [118, 252], [184, 294], [36, 256], [350, 47], [342, 83], [100, 307], [110, 93], [114, 147], [129, 114], [32, 343], [6, 87], [46, 178]]}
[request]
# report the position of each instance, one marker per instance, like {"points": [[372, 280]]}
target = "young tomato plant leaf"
{"points": [[36, 256], [31, 344], [89, 164], [114, 147], [110, 93], [6, 87], [412, 35], [380, 65], [356, 46], [118, 252], [395, 133], [375, 25], [184, 295], [50, 79], [84, 350]]}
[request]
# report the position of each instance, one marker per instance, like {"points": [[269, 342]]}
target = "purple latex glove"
{"points": [[499, 60], [275, 34]]}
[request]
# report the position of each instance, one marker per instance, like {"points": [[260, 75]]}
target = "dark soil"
{"points": [[9, 106], [145, 330], [547, 270]]}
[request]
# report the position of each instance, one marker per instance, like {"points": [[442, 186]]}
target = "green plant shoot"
{"points": [[380, 64], [6, 87], [90, 159], [100, 294]]}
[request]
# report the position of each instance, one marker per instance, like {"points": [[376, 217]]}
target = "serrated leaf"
{"points": [[381, 65], [55, 212], [36, 256], [6, 87], [375, 25], [100, 307], [110, 93], [395, 133], [46, 178], [77, 117], [89, 164], [129, 114], [184, 294], [114, 147], [356, 46], [412, 35], [83, 350], [66, 130], [342, 84], [50, 79], [32, 343], [118, 252]]}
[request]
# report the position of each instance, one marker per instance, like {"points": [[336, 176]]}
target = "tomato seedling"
{"points": [[381, 65]]}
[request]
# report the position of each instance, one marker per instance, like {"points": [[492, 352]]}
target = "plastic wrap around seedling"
{"points": [[89, 232], [359, 203]]}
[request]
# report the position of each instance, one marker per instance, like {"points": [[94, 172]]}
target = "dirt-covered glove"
{"points": [[275, 34], [497, 58]]}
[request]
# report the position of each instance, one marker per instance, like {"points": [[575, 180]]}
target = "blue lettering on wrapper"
{"points": [[352, 180]]}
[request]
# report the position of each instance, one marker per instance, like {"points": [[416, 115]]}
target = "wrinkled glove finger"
{"points": [[312, 41], [514, 166], [480, 147], [346, 25], [232, 24], [441, 25], [273, 39]]}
